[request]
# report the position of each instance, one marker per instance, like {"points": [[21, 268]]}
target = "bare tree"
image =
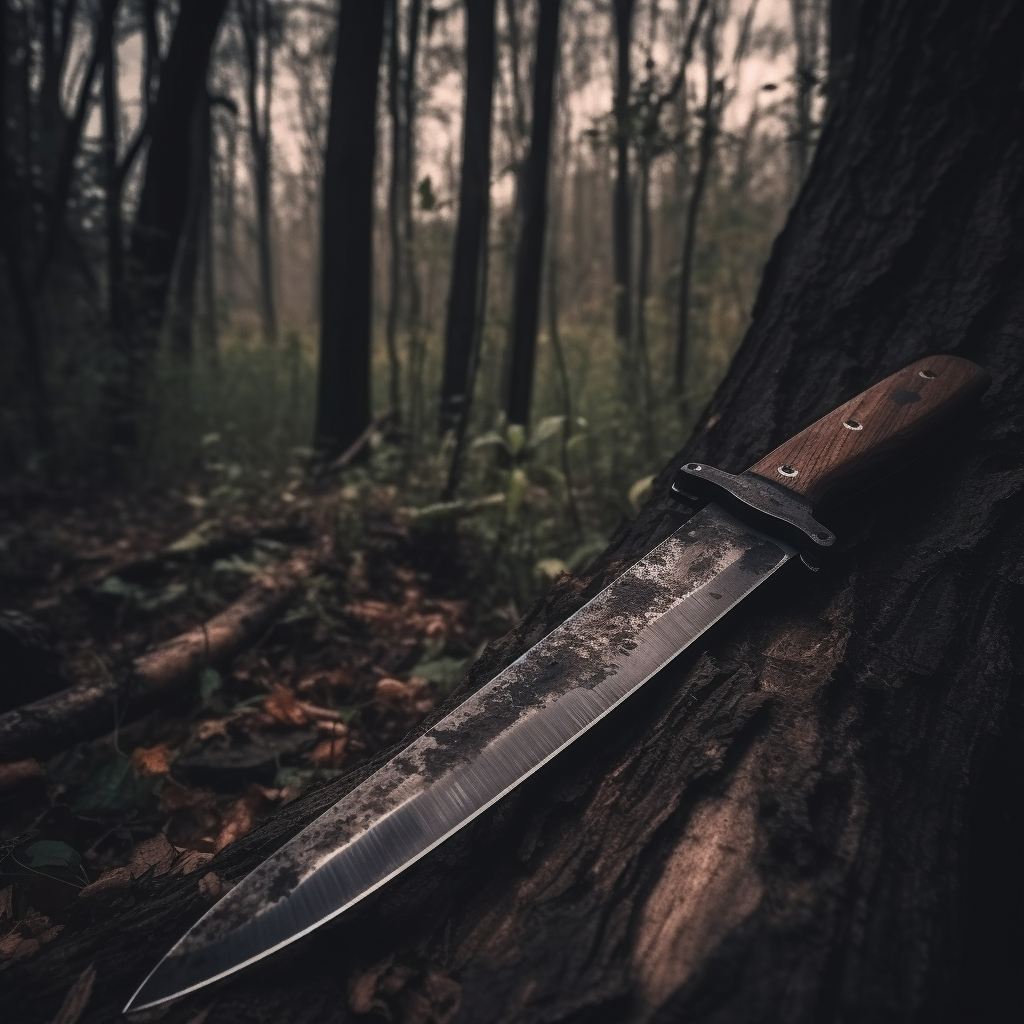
{"points": [[622, 231], [343, 389], [261, 32], [533, 203], [466, 297]]}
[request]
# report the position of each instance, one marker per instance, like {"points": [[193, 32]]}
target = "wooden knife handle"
{"points": [[881, 424]]}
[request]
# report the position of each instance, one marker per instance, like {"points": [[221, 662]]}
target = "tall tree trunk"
{"points": [[622, 231], [183, 312], [705, 152], [259, 27], [12, 241], [163, 202], [397, 187], [815, 817], [468, 289], [414, 305], [346, 292], [534, 203]]}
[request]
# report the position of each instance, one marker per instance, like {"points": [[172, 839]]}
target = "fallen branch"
{"points": [[92, 709]]}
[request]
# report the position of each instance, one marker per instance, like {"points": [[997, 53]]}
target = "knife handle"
{"points": [[879, 425]]}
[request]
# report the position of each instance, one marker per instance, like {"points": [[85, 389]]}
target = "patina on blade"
{"points": [[485, 747]]}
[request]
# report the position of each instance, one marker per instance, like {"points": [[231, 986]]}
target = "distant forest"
{"points": [[493, 253]]}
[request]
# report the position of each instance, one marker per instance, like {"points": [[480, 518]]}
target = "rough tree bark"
{"points": [[534, 207], [468, 289], [343, 395], [621, 222], [817, 816], [163, 201]]}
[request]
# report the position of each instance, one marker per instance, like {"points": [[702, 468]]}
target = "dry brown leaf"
{"points": [[210, 886], [17, 947], [329, 753], [156, 853], [283, 706], [240, 818], [200, 1017], [18, 773], [395, 693], [151, 760], [211, 727], [362, 988], [37, 925], [7, 902], [77, 998], [107, 888]]}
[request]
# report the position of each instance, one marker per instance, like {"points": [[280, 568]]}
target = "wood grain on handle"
{"points": [[874, 427]]}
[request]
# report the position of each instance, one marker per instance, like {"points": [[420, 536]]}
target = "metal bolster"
{"points": [[757, 501]]}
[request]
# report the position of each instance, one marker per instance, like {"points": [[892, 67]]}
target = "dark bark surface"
{"points": [[343, 388], [534, 202], [468, 285], [163, 203], [621, 220], [816, 816]]}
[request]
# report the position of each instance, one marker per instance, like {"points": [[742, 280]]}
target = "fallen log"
{"points": [[82, 712]]}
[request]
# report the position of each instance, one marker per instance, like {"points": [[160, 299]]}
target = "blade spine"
{"points": [[295, 936]]}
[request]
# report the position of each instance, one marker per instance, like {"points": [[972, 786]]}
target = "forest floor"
{"points": [[379, 631]]}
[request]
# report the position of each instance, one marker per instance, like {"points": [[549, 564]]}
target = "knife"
{"points": [[753, 524]]}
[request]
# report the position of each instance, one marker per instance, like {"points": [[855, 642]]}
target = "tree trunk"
{"points": [[817, 815], [163, 203], [534, 205], [183, 320], [622, 231], [397, 187], [705, 152], [468, 289], [346, 295], [257, 20]]}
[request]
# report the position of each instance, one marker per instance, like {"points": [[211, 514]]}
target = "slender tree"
{"points": [[466, 297], [397, 186], [533, 203], [621, 219], [412, 278], [705, 152], [163, 203], [343, 390], [260, 34]]}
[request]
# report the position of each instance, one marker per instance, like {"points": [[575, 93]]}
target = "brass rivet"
{"points": [[853, 425], [788, 471]]}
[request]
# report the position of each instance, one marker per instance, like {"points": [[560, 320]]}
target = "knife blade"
{"points": [[566, 683]]}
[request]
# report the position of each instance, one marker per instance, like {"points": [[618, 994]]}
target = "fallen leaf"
{"points": [[240, 818], [210, 886], [395, 693], [362, 988], [328, 753], [156, 854], [108, 887], [211, 727], [16, 947], [283, 706], [7, 902], [77, 998], [151, 760]]}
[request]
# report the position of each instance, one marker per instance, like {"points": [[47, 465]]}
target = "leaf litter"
{"points": [[377, 637]]}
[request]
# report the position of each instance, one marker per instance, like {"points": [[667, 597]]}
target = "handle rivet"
{"points": [[694, 467], [853, 425], [927, 373], [788, 471]]}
